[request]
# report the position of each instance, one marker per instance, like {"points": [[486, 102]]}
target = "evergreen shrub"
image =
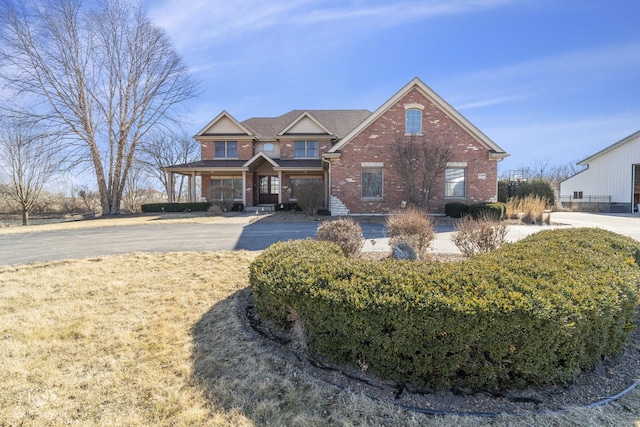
{"points": [[536, 311], [495, 210], [456, 209], [176, 207]]}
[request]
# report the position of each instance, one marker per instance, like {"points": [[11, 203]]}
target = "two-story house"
{"points": [[351, 152]]}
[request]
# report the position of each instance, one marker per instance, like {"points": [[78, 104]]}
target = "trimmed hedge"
{"points": [[456, 209], [184, 207], [495, 210], [176, 207], [536, 311]]}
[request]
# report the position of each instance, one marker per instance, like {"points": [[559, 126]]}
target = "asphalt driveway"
{"points": [[240, 234], [222, 235]]}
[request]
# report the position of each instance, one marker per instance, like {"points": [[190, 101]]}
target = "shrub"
{"points": [[215, 210], [456, 209], [536, 311], [536, 187], [411, 226], [481, 235], [345, 232], [310, 195], [176, 207], [496, 210]]}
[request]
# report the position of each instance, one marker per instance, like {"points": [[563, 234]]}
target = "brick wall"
{"points": [[287, 147], [245, 150], [376, 144]]}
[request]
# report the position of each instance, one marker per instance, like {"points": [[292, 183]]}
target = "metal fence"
{"points": [[600, 204]]}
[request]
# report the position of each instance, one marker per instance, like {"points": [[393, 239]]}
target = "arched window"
{"points": [[413, 122]]}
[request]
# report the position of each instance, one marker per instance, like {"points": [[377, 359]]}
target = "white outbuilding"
{"points": [[611, 178]]}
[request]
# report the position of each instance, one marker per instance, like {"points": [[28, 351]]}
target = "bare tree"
{"points": [[542, 169], [137, 190], [90, 198], [310, 195], [104, 75], [420, 162], [159, 150], [27, 164]]}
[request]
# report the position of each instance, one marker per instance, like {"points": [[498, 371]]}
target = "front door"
{"points": [[269, 188]]}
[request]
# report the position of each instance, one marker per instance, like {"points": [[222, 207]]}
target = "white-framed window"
{"points": [[413, 122], [226, 149], [372, 182], [455, 182], [305, 149], [577, 195], [224, 188], [295, 182]]}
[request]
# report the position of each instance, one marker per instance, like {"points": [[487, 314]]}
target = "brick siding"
{"points": [[376, 144]]}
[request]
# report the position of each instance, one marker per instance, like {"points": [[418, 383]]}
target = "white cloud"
{"points": [[198, 22], [591, 61], [492, 102]]}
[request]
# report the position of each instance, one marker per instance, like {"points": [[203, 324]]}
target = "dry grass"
{"points": [[345, 232], [115, 222], [481, 235], [412, 226], [530, 210], [154, 339]]}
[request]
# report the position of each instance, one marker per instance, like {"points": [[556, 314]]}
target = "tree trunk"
{"points": [[25, 217]]}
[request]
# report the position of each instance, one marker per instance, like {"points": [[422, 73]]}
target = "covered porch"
{"points": [[260, 181]]}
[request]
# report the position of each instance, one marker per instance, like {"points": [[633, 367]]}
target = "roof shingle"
{"points": [[339, 122]]}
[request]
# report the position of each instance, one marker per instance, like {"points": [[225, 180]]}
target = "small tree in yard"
{"points": [[27, 163], [137, 189], [310, 195], [90, 198], [419, 162], [223, 197]]}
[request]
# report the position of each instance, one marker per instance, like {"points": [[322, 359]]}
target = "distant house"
{"points": [[612, 174], [351, 152]]}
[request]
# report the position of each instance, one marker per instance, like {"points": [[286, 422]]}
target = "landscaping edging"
{"points": [[614, 377]]}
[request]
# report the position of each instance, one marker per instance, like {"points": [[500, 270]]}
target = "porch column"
{"points": [[170, 187], [280, 187], [244, 188], [192, 187]]}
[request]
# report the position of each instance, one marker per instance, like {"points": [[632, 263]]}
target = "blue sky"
{"points": [[547, 80]]}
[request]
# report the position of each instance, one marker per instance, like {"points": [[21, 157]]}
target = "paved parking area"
{"points": [[241, 233]]}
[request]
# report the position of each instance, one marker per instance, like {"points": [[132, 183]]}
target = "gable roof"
{"points": [[231, 123], [612, 147], [497, 152], [305, 122], [337, 122]]}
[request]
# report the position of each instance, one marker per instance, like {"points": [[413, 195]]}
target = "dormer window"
{"points": [[226, 149], [413, 122], [305, 149]]}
